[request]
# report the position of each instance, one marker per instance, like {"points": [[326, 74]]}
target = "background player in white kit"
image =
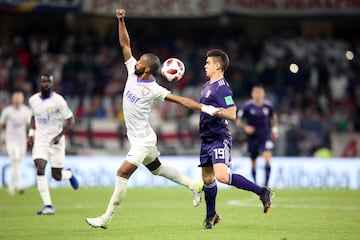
{"points": [[51, 119], [15, 119], [140, 93]]}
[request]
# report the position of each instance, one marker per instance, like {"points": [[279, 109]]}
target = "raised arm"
{"points": [[124, 38]]}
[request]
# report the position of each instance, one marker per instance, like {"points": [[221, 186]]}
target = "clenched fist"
{"points": [[120, 13]]}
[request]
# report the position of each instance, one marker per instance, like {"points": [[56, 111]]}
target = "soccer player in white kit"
{"points": [[140, 93], [15, 119], [50, 121]]}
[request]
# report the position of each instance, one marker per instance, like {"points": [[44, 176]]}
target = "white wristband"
{"points": [[31, 132], [275, 130], [209, 109]]}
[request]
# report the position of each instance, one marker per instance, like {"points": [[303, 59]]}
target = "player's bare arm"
{"points": [[227, 113], [186, 102], [189, 103], [2, 126], [247, 128], [124, 38], [67, 125], [30, 140], [274, 129]]}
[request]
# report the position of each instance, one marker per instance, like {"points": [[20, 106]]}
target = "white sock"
{"points": [[116, 198], [66, 174], [174, 175], [14, 182], [43, 187]]}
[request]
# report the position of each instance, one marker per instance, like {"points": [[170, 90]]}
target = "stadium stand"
{"points": [[320, 99]]}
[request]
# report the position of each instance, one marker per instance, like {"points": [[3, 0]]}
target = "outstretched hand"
{"points": [[120, 13], [56, 139]]}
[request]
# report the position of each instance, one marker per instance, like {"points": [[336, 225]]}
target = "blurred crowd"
{"points": [[320, 97]]}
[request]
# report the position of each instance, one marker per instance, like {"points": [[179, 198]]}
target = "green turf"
{"points": [[167, 213]]}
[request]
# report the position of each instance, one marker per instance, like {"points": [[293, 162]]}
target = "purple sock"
{"points": [[241, 182], [267, 174], [210, 192]]}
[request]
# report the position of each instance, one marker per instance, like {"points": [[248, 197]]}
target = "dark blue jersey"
{"points": [[217, 94], [258, 116]]}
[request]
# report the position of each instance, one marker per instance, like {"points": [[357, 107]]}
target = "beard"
{"points": [[139, 72], [45, 93]]}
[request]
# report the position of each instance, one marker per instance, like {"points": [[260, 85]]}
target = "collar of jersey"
{"points": [[47, 97], [216, 80], [145, 81]]}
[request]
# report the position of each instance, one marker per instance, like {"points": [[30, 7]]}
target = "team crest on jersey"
{"points": [[252, 111], [265, 111], [49, 110], [145, 91]]}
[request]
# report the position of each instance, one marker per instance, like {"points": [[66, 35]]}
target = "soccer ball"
{"points": [[173, 69]]}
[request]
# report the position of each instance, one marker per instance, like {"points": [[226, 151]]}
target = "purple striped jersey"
{"points": [[218, 94]]}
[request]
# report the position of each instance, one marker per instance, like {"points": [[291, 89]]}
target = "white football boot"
{"points": [[98, 222], [199, 186]]}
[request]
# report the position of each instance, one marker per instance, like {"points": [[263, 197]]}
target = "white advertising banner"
{"points": [[205, 8], [155, 8], [286, 172]]}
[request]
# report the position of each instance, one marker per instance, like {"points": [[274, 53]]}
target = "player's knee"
{"points": [[40, 172], [223, 178], [56, 176], [208, 179], [123, 174]]}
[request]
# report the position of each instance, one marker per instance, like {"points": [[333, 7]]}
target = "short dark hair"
{"points": [[258, 85], [220, 56], [153, 62]]}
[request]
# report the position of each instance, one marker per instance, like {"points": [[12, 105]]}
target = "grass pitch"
{"points": [[167, 213]]}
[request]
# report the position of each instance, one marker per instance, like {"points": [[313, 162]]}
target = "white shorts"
{"points": [[142, 150], [16, 151], [52, 153]]}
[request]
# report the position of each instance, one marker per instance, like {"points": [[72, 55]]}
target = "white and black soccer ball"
{"points": [[173, 69]]}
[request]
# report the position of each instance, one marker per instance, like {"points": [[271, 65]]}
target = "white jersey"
{"points": [[16, 121], [138, 99], [49, 115]]}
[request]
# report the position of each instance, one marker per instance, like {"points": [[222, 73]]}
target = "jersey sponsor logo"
{"points": [[43, 120], [17, 124], [131, 97], [229, 100]]}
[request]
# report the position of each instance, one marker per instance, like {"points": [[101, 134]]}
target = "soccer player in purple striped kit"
{"points": [[216, 139]]}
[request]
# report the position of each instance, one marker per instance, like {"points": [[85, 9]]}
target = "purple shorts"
{"points": [[218, 151], [257, 147]]}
